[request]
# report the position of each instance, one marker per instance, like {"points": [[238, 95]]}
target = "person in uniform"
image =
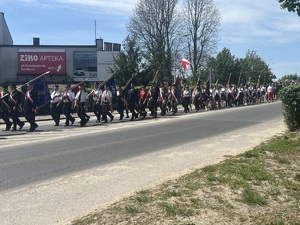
{"points": [[5, 108], [55, 105], [153, 104], [186, 97], [106, 103], [81, 102], [97, 92], [69, 100], [30, 107], [15, 107], [196, 97], [173, 99], [121, 102], [143, 101], [132, 101]]}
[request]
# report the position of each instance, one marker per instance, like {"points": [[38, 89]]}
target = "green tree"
{"points": [[154, 24], [290, 5], [289, 77], [202, 19], [129, 62]]}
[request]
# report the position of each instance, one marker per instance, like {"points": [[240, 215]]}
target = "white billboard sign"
{"points": [[105, 60]]}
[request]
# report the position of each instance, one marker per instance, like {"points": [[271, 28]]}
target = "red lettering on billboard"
{"points": [[38, 62]]}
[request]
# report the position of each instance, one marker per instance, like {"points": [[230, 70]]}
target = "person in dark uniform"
{"points": [[15, 107], [106, 102], [132, 101], [143, 101], [81, 102], [30, 107], [69, 100], [153, 104], [97, 92], [121, 102], [55, 105], [173, 98], [5, 108]]}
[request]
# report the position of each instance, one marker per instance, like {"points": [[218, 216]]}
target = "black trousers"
{"points": [[81, 114], [67, 113], [120, 109], [30, 117], [5, 117], [55, 112], [106, 112], [14, 115], [97, 110]]}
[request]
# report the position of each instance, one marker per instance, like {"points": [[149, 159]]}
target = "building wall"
{"points": [[9, 63]]}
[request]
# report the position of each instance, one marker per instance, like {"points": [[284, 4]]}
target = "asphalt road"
{"points": [[42, 162]]}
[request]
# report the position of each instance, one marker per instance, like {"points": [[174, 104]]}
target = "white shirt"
{"points": [[106, 96], [83, 97], [97, 94], [56, 97], [68, 96], [270, 88]]}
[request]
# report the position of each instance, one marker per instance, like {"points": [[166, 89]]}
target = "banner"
{"points": [[36, 61], [42, 89]]}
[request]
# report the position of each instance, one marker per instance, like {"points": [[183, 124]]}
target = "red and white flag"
{"points": [[185, 63]]}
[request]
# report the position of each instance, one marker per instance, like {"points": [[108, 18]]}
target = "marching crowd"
{"points": [[136, 101]]}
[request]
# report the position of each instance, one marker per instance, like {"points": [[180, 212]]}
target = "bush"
{"points": [[290, 97]]}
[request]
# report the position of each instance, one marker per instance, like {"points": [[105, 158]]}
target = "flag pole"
{"points": [[38, 77]]}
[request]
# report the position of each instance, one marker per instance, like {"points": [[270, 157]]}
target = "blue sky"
{"points": [[258, 25]]}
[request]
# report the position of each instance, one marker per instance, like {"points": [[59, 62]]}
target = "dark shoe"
{"points": [[66, 125], [34, 127], [56, 125], [6, 129], [112, 118], [30, 130], [13, 129], [72, 122], [21, 126]]}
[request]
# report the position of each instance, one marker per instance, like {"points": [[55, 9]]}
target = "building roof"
{"points": [[5, 36]]}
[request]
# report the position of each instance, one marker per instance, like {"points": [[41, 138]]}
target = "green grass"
{"points": [[261, 186]]}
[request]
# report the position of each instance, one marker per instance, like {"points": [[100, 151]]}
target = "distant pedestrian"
{"points": [[30, 107], [55, 105], [69, 101], [106, 102], [81, 102], [15, 107], [5, 108]]}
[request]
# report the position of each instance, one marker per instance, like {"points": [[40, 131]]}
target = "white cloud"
{"points": [[93, 6]]}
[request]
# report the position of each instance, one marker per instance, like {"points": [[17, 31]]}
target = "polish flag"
{"points": [[185, 63]]}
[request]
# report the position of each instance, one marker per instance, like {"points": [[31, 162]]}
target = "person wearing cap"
{"points": [[106, 103], [30, 107], [5, 108], [69, 100], [55, 105], [97, 92], [81, 102], [15, 107]]}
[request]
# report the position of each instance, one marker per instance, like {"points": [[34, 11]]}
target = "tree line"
{"points": [[161, 32]]}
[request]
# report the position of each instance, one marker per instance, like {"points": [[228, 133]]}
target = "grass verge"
{"points": [[261, 186]]}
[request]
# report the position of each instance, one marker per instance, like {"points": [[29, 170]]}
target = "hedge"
{"points": [[290, 97]]}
